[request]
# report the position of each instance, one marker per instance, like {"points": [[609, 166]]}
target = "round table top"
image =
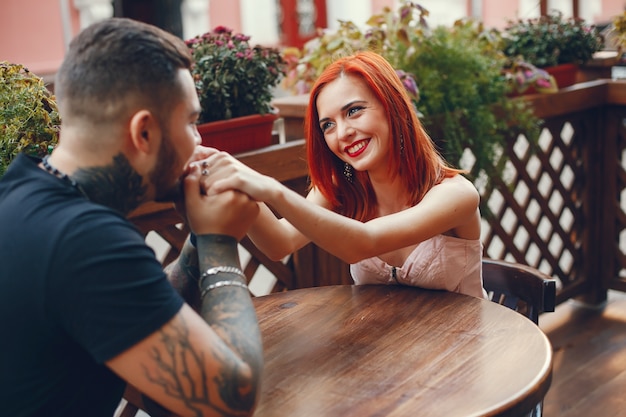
{"points": [[378, 350]]}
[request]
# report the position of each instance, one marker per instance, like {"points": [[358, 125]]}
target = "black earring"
{"points": [[347, 172]]}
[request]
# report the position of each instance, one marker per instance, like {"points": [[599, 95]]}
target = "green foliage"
{"points": [[387, 33], [461, 84], [29, 120], [232, 78], [551, 40], [619, 31], [463, 87]]}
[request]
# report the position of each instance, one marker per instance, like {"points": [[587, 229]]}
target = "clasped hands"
{"points": [[209, 207]]}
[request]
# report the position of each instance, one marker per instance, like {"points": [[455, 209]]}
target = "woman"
{"points": [[381, 199]]}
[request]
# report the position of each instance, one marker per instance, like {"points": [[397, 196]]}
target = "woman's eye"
{"points": [[353, 110], [325, 126]]}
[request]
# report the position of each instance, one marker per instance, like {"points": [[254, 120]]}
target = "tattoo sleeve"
{"points": [[184, 274], [229, 311]]}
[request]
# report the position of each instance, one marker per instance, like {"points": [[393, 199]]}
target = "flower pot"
{"points": [[240, 134], [564, 74]]}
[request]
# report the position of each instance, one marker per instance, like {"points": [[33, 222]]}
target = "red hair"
{"points": [[418, 164]]}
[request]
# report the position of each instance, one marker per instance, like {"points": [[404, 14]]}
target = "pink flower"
{"points": [[222, 29], [241, 38], [409, 84]]}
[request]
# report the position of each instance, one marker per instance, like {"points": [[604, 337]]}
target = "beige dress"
{"points": [[442, 263]]}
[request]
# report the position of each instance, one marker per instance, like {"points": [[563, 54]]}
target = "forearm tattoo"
{"points": [[184, 274], [229, 311], [177, 361]]}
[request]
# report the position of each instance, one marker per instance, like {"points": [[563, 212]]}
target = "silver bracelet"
{"points": [[219, 284], [216, 269]]}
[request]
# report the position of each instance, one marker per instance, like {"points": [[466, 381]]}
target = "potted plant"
{"points": [[29, 120], [463, 89], [234, 81], [618, 32], [552, 42], [526, 78]]}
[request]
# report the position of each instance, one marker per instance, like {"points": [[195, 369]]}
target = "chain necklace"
{"points": [[62, 176]]}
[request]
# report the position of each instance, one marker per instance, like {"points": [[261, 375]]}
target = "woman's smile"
{"points": [[357, 148]]}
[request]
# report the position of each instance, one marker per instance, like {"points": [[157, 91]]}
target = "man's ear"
{"points": [[145, 132]]}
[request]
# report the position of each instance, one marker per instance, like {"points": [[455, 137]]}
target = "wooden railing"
{"points": [[557, 207]]}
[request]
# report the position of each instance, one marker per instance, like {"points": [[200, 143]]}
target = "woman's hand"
{"points": [[200, 153], [224, 172]]}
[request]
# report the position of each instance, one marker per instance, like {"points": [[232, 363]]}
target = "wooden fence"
{"points": [[559, 208]]}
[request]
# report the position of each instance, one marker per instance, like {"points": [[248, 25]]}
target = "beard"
{"points": [[167, 187]]}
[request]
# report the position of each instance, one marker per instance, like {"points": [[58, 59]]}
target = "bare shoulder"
{"points": [[458, 184], [459, 180]]}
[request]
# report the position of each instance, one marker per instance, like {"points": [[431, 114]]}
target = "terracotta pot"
{"points": [[240, 134], [564, 74]]}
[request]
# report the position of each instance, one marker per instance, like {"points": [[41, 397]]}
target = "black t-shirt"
{"points": [[78, 285]]}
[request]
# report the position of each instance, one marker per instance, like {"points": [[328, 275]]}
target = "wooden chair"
{"points": [[519, 287], [522, 288]]}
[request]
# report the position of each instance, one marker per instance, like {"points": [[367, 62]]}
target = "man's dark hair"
{"points": [[118, 63]]}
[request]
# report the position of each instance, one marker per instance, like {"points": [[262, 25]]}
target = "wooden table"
{"points": [[342, 351]]}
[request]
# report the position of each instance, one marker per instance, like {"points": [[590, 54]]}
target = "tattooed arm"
{"points": [[206, 364], [184, 275]]}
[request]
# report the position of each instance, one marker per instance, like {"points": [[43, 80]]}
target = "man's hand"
{"points": [[229, 213]]}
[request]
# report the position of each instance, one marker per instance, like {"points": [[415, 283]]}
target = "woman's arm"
{"points": [[275, 237], [451, 206]]}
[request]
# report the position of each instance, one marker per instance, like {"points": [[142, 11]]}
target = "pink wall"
{"points": [[225, 13], [610, 8], [496, 14], [378, 5], [31, 34], [31, 31]]}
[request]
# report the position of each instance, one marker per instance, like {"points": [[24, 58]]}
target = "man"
{"points": [[85, 307]]}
